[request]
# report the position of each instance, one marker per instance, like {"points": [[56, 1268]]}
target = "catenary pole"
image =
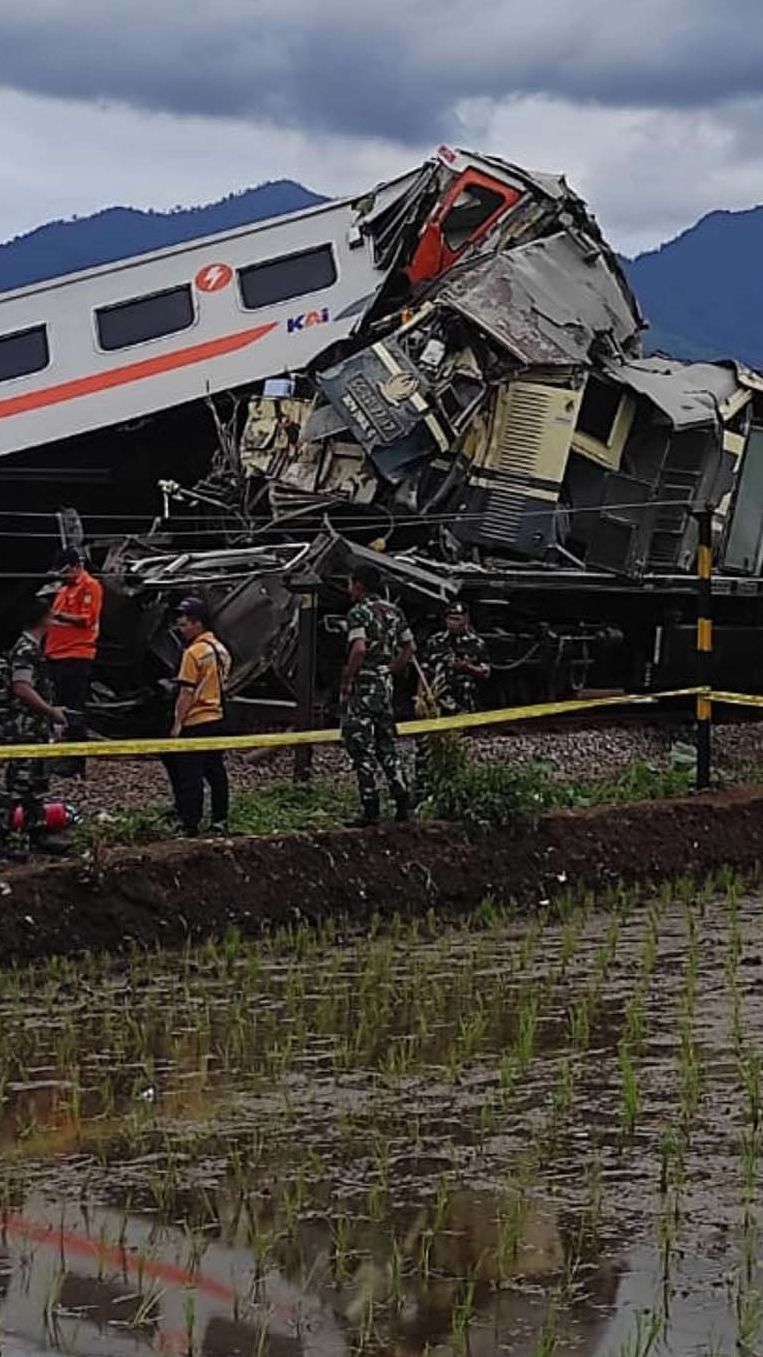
{"points": [[704, 707]]}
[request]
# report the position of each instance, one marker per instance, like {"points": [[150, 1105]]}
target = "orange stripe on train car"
{"points": [[132, 372]]}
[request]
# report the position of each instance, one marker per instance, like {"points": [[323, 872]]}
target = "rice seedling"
{"points": [[749, 1318], [461, 1315], [396, 1268], [690, 1087], [635, 1022], [376, 1201], [471, 1032], [507, 1073], [340, 1240], [594, 1193], [561, 1098], [750, 1066], [511, 1219], [579, 1020], [548, 1338], [630, 1102], [146, 1313], [366, 1328], [527, 1022], [189, 1318], [648, 1328]]}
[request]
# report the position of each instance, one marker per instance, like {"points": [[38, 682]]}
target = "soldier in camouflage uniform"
{"points": [[380, 645], [455, 661], [27, 713]]}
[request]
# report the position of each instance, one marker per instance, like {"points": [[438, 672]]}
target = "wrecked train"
{"points": [[464, 393]]}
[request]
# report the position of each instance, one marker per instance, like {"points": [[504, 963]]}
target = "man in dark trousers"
{"points": [[70, 647], [455, 662], [199, 713], [379, 646]]}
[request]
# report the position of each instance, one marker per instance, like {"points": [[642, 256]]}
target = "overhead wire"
{"points": [[235, 517], [286, 523]]}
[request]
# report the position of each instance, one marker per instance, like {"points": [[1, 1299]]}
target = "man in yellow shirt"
{"points": [[199, 712]]}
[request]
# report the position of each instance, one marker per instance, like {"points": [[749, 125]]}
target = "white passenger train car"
{"points": [[125, 340], [114, 344]]}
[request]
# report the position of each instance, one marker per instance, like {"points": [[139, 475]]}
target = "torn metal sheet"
{"points": [[272, 430], [386, 402], [687, 394], [549, 303], [323, 422], [415, 575], [246, 590], [388, 216]]}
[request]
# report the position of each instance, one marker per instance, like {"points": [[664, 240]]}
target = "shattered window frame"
{"points": [[281, 265], [599, 410], [34, 356], [474, 190], [134, 308]]}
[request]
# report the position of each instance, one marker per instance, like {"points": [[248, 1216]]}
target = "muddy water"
{"points": [[532, 1137]]}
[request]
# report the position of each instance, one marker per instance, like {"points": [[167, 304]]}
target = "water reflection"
{"points": [[699, 1320], [366, 1152], [107, 1284]]}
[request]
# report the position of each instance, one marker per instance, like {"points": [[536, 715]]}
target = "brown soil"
{"points": [[167, 892]]}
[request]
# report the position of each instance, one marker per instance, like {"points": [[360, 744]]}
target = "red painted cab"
{"points": [[469, 209]]}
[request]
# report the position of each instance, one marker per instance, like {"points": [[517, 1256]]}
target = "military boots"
{"points": [[369, 813]]}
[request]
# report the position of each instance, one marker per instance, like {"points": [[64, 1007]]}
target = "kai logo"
{"points": [[214, 277], [306, 320]]}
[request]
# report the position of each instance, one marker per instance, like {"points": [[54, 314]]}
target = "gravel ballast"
{"points": [[123, 784]]}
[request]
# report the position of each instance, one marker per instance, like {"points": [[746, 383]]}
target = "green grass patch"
{"points": [[640, 781], [285, 806], [280, 808], [461, 787]]}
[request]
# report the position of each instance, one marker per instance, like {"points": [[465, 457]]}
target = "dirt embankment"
{"points": [[167, 892]]}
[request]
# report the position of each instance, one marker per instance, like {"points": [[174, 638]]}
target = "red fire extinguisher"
{"points": [[58, 816]]}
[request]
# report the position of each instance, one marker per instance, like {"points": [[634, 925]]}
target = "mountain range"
{"points": [[117, 232], [702, 292]]}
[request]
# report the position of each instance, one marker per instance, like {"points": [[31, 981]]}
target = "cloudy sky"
{"points": [[652, 108]]}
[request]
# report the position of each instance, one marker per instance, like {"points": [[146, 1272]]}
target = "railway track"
{"points": [[672, 713]]}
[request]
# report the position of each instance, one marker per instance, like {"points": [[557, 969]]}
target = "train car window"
{"points": [[293, 275], [599, 407], [24, 352], [133, 322], [474, 206]]}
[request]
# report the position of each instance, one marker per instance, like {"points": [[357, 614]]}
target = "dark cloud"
{"points": [[397, 69]]}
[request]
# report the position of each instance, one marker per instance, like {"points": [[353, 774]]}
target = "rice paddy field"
{"points": [[526, 1135]]}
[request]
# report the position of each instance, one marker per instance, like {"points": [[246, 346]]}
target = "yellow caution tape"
{"points": [[737, 699], [468, 720], [132, 748], [288, 739]]}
